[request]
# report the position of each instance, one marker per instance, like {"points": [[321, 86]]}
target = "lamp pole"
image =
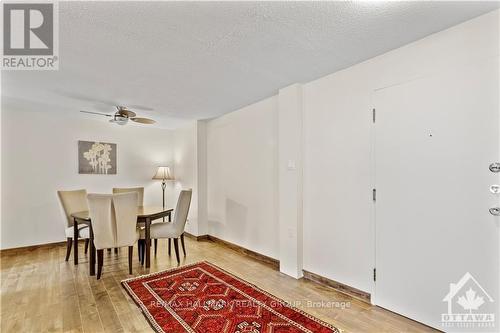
{"points": [[163, 186], [163, 174]]}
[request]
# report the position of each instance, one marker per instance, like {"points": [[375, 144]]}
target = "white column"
{"points": [[201, 162], [290, 179]]}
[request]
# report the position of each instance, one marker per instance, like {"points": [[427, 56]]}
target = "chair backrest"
{"points": [[182, 210], [102, 215], [138, 190], [73, 202], [126, 218]]}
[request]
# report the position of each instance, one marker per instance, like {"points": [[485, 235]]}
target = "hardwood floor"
{"points": [[40, 292]]}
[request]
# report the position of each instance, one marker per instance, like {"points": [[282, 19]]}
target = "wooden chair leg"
{"points": [[130, 252], [100, 259], [169, 246], [156, 245], [139, 248], [143, 251], [176, 248], [86, 245], [183, 246], [69, 244]]}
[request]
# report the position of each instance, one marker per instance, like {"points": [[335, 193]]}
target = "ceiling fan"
{"points": [[123, 115]]}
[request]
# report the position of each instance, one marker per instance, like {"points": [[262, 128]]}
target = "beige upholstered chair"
{"points": [[140, 202], [114, 219], [73, 202], [174, 229], [139, 190]]}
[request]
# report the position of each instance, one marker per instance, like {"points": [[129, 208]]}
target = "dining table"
{"points": [[145, 215]]}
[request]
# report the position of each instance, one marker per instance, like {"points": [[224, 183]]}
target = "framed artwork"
{"points": [[98, 158]]}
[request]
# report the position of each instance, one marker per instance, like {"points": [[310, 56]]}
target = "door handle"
{"points": [[495, 211], [495, 167]]}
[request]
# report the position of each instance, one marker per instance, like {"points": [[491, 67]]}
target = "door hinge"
{"points": [[374, 274], [374, 115], [374, 194]]}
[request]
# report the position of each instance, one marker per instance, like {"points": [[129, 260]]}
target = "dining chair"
{"points": [[127, 232], [139, 190], [114, 219], [140, 202], [175, 229], [73, 202]]}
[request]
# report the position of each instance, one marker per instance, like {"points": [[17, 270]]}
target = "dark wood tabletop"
{"points": [[142, 212]]}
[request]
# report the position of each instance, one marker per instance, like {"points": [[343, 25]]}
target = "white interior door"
{"points": [[434, 140]]}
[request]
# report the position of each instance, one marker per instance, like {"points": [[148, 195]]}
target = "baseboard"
{"points": [[34, 247], [196, 238], [274, 263], [261, 257], [343, 288], [353, 292]]}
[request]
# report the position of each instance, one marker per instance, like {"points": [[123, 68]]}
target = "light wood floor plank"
{"points": [[40, 292]]}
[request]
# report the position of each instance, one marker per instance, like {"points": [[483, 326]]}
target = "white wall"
{"points": [[242, 177], [39, 157], [190, 158], [185, 170], [338, 225]]}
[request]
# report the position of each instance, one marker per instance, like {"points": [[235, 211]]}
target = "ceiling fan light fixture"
{"points": [[119, 120]]}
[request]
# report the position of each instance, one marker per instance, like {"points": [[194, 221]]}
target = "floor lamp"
{"points": [[163, 173]]}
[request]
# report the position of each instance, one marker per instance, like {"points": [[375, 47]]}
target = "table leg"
{"points": [[92, 251], [148, 243], [75, 241], [169, 217]]}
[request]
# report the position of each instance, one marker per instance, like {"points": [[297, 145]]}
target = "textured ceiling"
{"points": [[193, 60]]}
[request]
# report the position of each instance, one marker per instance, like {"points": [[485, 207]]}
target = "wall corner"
{"points": [[290, 168]]}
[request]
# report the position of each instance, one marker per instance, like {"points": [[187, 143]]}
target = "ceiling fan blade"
{"points": [[126, 113], [101, 114], [143, 120]]}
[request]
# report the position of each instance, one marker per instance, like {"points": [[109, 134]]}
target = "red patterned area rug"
{"points": [[203, 298]]}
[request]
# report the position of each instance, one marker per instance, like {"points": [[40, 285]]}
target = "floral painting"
{"points": [[96, 158]]}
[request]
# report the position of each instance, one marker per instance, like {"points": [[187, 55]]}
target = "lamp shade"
{"points": [[163, 173]]}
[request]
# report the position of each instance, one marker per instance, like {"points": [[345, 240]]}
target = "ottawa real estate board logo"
{"points": [[470, 307], [30, 36]]}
